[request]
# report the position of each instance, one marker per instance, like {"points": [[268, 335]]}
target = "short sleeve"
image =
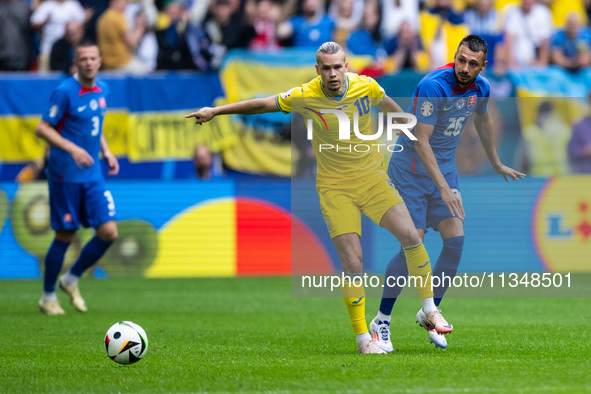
{"points": [[557, 40], [483, 104], [283, 100], [427, 102], [40, 14], [58, 106]]}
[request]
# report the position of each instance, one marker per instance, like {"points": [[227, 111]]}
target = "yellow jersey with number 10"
{"points": [[339, 159]]}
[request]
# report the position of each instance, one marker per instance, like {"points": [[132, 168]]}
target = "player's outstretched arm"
{"points": [[45, 131], [109, 157], [484, 127], [423, 148], [246, 107]]}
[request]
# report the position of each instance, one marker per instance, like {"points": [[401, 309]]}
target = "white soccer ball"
{"points": [[126, 342]]}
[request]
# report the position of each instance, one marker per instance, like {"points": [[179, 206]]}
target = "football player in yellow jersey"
{"points": [[348, 181]]}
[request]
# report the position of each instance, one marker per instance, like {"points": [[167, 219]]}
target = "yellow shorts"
{"points": [[341, 204]]}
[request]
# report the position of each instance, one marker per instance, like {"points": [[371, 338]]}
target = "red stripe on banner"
{"points": [[262, 239]]}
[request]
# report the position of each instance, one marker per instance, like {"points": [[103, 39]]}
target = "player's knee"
{"points": [[352, 266], [108, 235], [409, 237], [65, 236], [351, 260]]}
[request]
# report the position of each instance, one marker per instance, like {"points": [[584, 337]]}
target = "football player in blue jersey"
{"points": [[72, 126], [426, 176]]}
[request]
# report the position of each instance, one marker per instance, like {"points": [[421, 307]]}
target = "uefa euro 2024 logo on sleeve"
{"points": [[396, 123]]}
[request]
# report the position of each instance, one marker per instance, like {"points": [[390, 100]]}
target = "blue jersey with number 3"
{"points": [[77, 113], [440, 102]]}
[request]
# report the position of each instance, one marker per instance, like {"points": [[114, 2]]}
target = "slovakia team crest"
{"points": [[426, 109], [102, 102], [471, 102], [460, 103]]}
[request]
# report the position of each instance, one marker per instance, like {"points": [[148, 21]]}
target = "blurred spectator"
{"points": [[147, 48], [366, 39], [266, 19], [357, 7], [97, 7], [203, 161], [62, 52], [207, 164], [201, 48], [173, 53], [227, 27], [345, 20], [404, 48], [579, 146], [311, 27], [543, 146], [198, 10], [14, 35], [117, 42], [33, 171], [439, 50], [482, 19], [394, 12], [528, 29], [51, 17], [444, 9], [571, 46]]}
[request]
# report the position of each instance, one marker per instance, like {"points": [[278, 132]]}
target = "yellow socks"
{"points": [[354, 298], [419, 266]]}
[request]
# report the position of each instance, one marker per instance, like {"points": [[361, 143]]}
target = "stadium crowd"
{"points": [[145, 35]]}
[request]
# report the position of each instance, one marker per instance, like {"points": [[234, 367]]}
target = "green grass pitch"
{"points": [[248, 334]]}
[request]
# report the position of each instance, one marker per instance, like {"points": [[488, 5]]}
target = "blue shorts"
{"points": [[421, 195], [72, 204]]}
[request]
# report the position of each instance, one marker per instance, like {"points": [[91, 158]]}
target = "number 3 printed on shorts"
{"points": [[111, 202]]}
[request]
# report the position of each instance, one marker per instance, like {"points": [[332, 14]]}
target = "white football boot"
{"points": [[75, 298], [380, 332], [50, 307], [435, 337], [370, 347]]}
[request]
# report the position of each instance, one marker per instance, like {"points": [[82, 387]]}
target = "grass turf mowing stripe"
{"points": [[248, 334]]}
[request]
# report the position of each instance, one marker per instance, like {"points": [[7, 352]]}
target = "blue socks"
{"points": [[447, 264], [396, 267], [53, 264], [91, 253]]}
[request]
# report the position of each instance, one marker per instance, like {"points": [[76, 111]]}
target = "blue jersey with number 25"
{"points": [[440, 102], [77, 113]]}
